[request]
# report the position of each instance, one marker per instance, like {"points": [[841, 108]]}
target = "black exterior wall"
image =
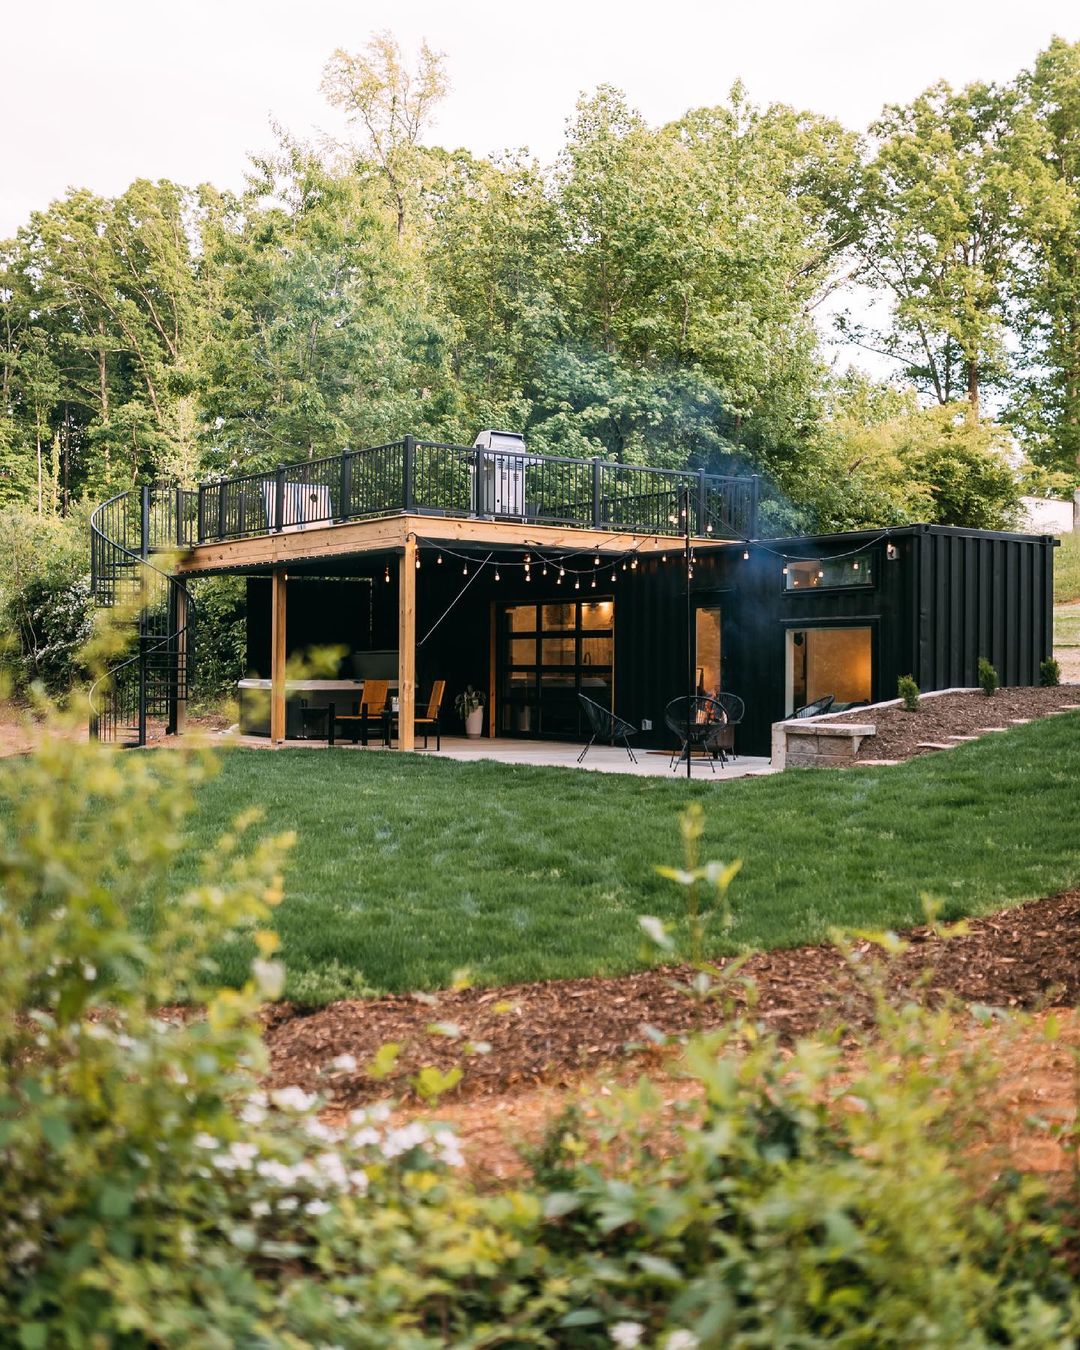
{"points": [[948, 597]]}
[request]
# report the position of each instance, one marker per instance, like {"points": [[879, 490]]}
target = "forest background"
{"points": [[656, 295]]}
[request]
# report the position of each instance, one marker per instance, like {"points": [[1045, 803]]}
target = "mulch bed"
{"points": [[900, 733], [549, 1032]]}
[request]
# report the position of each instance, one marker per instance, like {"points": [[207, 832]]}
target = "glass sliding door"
{"points": [[549, 653], [707, 676]]}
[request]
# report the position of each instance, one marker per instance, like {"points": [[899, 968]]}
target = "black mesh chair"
{"points": [[605, 726], [724, 738], [815, 709], [699, 723]]}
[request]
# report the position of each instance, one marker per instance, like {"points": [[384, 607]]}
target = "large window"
{"points": [[834, 661], [548, 654]]}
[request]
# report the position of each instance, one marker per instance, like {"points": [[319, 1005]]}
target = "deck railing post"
{"points": [[144, 521], [408, 467], [279, 498], [755, 498], [200, 528], [702, 504], [179, 498], [597, 515], [221, 521], [346, 486]]}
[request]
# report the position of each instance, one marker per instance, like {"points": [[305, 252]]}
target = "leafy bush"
{"points": [[45, 600], [220, 638], [908, 693], [151, 1194], [988, 677], [1049, 673]]}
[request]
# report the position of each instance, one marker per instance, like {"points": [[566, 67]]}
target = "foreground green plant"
{"points": [[152, 1195], [1050, 673]]}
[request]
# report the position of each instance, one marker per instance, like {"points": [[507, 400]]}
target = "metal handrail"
{"points": [[103, 546], [425, 476]]}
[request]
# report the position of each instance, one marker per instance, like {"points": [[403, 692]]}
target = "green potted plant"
{"points": [[470, 706]]}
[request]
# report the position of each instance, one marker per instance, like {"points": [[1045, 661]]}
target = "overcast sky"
{"points": [[94, 93]]}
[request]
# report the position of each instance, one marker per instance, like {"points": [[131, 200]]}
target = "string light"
{"points": [[633, 564], [386, 573], [596, 560], [544, 572], [594, 583], [439, 559], [577, 584], [663, 557], [855, 567], [562, 573], [418, 561], [497, 577], [465, 570], [784, 570], [746, 555]]}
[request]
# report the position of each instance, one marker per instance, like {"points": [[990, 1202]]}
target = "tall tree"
{"points": [[393, 105], [936, 207], [1045, 148]]}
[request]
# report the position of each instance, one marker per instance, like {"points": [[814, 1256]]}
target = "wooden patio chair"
{"points": [[371, 710], [428, 721]]}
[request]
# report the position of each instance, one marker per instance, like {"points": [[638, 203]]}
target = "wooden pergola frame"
{"points": [[402, 535]]}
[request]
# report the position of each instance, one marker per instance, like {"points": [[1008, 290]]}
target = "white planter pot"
{"points": [[474, 723]]}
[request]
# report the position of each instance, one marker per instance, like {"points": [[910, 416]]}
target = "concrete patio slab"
{"points": [[548, 754]]}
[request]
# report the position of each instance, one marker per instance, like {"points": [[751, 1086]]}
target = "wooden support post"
{"points": [[407, 643], [277, 655]]}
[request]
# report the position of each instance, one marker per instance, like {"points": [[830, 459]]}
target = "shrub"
{"points": [[908, 692], [45, 600], [988, 677], [1049, 673], [220, 638], [152, 1195]]}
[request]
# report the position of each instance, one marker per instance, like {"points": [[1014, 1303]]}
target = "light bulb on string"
{"points": [[386, 573], [593, 584], [544, 570], [596, 560], [746, 555], [633, 564], [784, 570], [624, 565], [708, 528], [418, 562], [854, 566], [439, 559], [465, 570], [663, 557], [577, 583], [497, 577], [562, 573]]}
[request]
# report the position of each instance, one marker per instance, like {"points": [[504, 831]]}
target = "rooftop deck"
{"points": [[426, 478]]}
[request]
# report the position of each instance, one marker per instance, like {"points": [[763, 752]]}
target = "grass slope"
{"points": [[409, 868], [1067, 570]]}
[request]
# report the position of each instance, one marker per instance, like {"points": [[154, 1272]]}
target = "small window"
{"points": [[827, 573]]}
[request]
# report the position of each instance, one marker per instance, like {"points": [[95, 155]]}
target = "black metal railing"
{"points": [[151, 681], [432, 478]]}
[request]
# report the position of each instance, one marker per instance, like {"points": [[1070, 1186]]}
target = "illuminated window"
{"points": [[834, 661], [707, 636], [826, 573]]}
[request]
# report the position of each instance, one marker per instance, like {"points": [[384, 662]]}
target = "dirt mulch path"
{"points": [[550, 1033], [900, 733]]}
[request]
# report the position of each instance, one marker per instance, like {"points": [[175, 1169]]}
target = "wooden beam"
{"points": [[357, 537], [407, 644], [277, 655]]}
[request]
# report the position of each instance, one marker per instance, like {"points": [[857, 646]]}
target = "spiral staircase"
{"points": [[130, 535]]}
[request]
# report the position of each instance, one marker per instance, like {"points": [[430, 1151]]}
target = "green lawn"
{"points": [[1066, 626], [409, 868], [1067, 570]]}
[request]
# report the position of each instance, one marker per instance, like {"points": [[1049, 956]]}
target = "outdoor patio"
{"points": [[551, 754]]}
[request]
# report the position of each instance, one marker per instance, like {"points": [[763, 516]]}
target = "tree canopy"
{"points": [[652, 296]]}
